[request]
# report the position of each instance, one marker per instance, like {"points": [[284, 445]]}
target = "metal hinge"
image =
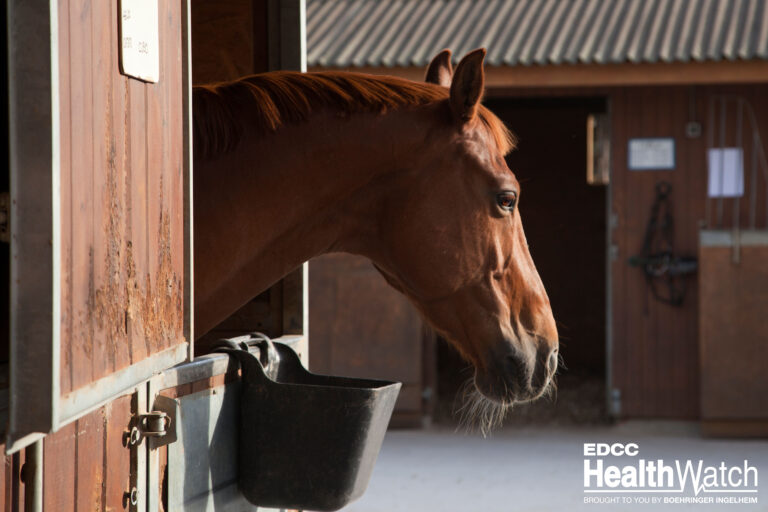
{"points": [[158, 424], [613, 252], [613, 220], [615, 402]]}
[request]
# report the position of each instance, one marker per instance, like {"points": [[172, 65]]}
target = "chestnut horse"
{"points": [[411, 175]]}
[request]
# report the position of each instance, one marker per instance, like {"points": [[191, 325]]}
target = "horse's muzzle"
{"points": [[516, 377]]}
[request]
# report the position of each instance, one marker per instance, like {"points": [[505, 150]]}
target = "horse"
{"points": [[411, 175]]}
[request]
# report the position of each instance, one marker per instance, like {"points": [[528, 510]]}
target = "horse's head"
{"points": [[457, 247]]}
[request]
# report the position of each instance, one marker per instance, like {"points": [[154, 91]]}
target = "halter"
{"points": [[663, 265]]}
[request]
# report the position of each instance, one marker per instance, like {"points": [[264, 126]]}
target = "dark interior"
{"points": [[565, 223]]}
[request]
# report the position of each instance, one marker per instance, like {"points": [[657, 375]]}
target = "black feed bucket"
{"points": [[306, 441]]}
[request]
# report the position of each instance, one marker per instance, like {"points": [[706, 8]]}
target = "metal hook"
{"points": [[269, 358]]}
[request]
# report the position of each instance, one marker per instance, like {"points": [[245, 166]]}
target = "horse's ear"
{"points": [[440, 71], [467, 85]]}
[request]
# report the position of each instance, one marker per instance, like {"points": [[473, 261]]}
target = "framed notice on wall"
{"points": [[651, 154], [140, 40]]}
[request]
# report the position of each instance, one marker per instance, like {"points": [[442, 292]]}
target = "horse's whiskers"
{"points": [[478, 413], [551, 391], [561, 362]]}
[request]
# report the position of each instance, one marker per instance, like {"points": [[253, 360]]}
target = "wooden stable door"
{"points": [[100, 164], [733, 332], [655, 347]]}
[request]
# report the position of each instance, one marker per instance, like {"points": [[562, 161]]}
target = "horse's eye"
{"points": [[507, 200]]}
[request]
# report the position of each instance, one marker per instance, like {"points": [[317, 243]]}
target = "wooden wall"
{"points": [[228, 39], [655, 346], [86, 465], [122, 227], [359, 326]]}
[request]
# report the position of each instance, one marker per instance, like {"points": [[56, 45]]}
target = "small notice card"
{"points": [[726, 172], [651, 154], [139, 39]]}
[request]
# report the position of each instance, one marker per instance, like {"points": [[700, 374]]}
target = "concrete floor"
{"points": [[536, 469]]}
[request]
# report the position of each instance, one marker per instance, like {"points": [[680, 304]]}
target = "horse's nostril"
{"points": [[552, 362], [517, 375]]}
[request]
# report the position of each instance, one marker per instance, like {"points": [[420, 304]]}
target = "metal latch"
{"points": [[158, 424]]}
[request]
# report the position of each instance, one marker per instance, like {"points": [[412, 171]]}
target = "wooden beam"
{"points": [[597, 75]]}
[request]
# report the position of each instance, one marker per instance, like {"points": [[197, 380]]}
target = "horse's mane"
{"points": [[271, 100]]}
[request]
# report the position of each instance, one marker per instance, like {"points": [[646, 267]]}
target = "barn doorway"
{"points": [[565, 223]]}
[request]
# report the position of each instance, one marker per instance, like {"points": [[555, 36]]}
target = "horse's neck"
{"points": [[282, 199]]}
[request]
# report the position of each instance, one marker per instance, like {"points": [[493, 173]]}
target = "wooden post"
{"points": [[287, 35], [287, 50]]}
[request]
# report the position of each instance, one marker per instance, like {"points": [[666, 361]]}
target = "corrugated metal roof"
{"points": [[356, 33]]}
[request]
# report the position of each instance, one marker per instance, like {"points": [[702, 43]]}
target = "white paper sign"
{"points": [[650, 154], [140, 39], [726, 172]]}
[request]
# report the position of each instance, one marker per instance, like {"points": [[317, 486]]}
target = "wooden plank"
{"points": [[18, 499], [104, 263], [117, 457], [617, 380], [693, 193], [11, 488], [510, 78], [119, 194], [89, 462], [676, 321], [156, 160], [175, 168], [655, 336], [5, 481], [137, 245], [65, 98], [80, 346], [59, 471]]}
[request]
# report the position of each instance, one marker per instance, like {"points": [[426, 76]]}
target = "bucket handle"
{"points": [[268, 355]]}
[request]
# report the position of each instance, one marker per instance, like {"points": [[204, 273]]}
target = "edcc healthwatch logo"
{"points": [[617, 473]]}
